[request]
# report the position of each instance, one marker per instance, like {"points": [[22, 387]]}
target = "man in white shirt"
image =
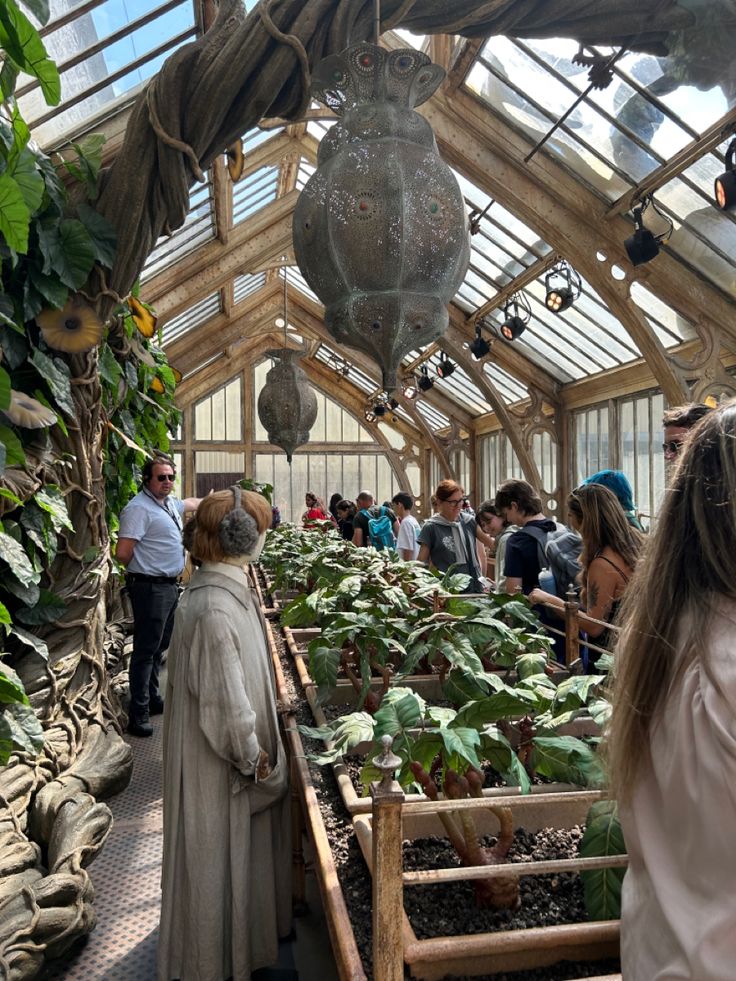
{"points": [[407, 544]]}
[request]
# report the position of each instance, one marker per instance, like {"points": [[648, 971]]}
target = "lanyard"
{"points": [[165, 507]]}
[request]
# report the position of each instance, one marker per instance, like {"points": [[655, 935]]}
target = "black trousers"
{"points": [[154, 605]]}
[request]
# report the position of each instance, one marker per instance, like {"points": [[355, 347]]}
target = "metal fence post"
{"points": [[572, 627], [388, 887]]}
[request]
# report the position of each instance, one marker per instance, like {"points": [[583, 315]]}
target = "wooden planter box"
{"points": [[485, 953]]}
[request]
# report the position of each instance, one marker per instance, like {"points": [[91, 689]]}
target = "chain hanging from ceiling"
{"points": [[380, 230]]}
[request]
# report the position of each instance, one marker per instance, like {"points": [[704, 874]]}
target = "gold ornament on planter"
{"points": [[74, 329], [380, 230]]}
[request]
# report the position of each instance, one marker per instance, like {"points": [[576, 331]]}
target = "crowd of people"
{"points": [[671, 745]]}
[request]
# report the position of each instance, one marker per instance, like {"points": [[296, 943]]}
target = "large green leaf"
{"points": [[101, 233], [31, 641], [74, 255], [603, 836], [15, 217], [6, 740], [25, 729], [20, 137], [4, 614], [54, 292], [14, 554], [573, 692], [108, 366], [51, 500], [500, 754], [460, 745], [5, 387], [11, 688], [323, 665], [464, 686], [14, 454], [510, 703], [531, 664], [30, 182], [47, 608], [23, 44], [567, 759], [39, 9], [397, 715], [56, 374]]}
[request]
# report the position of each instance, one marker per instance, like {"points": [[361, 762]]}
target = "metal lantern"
{"points": [[380, 230], [287, 406]]}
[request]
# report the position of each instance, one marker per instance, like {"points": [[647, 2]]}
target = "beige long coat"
{"points": [[226, 889]]}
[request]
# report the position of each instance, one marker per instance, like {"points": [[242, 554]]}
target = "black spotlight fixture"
{"points": [[644, 245], [393, 403], [725, 185], [445, 367], [380, 409], [479, 347], [563, 286], [516, 315], [425, 382]]}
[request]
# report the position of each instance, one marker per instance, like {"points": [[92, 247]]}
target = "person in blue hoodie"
{"points": [[617, 482]]}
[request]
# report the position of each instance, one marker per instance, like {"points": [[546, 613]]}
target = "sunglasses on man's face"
{"points": [[672, 446], [161, 477]]}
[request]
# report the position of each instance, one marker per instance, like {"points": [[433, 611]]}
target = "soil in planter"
{"points": [[355, 880]]}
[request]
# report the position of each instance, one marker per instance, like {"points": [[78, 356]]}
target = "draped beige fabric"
{"points": [[679, 900], [226, 886]]}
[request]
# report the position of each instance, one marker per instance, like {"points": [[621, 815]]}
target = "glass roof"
{"points": [[619, 135], [193, 317]]}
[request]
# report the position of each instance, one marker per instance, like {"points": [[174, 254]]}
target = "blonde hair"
{"points": [[206, 545], [689, 563]]}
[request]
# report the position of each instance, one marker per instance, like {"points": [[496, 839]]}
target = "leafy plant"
{"points": [[20, 730], [603, 836]]}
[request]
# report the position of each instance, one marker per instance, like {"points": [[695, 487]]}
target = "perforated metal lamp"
{"points": [[380, 231], [287, 406]]}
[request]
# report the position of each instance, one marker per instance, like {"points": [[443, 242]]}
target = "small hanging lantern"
{"points": [[380, 230], [287, 406]]}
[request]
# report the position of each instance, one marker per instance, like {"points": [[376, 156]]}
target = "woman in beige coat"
{"points": [[672, 742], [226, 890]]}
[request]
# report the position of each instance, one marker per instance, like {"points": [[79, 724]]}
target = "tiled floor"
{"points": [[126, 877]]}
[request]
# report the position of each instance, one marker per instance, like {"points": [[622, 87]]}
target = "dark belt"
{"points": [[141, 577]]}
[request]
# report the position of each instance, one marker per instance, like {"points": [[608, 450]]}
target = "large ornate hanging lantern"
{"points": [[380, 230], [287, 406]]}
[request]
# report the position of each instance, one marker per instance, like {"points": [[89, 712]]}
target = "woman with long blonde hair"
{"points": [[611, 547], [671, 743]]}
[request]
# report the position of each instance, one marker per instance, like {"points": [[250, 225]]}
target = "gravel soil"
{"points": [[446, 909]]}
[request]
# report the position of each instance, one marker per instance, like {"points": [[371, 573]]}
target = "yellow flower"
{"points": [[144, 320], [74, 329], [28, 412], [235, 161], [157, 385]]}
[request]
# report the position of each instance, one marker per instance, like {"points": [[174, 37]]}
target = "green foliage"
{"points": [[20, 730], [603, 836]]}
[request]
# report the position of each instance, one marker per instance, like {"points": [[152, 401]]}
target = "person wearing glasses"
{"points": [[677, 422], [449, 537], [151, 549]]}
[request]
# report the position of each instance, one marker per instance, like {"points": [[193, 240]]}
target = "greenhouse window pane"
{"points": [[193, 317]]}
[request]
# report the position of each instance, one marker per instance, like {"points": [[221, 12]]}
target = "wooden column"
{"points": [[388, 886]]}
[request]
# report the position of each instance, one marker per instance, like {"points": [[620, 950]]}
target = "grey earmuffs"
{"points": [[238, 530]]}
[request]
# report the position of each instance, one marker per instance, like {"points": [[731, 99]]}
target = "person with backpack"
{"points": [[448, 539], [490, 520], [408, 540], [374, 525], [611, 547]]}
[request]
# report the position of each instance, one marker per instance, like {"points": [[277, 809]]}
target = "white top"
{"points": [[408, 535], [156, 529], [679, 893]]}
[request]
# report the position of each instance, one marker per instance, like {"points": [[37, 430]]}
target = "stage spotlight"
{"points": [[479, 347], [409, 390], [425, 382], [563, 286], [445, 367], [369, 415], [516, 315], [725, 185], [380, 409], [643, 245], [393, 403]]}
